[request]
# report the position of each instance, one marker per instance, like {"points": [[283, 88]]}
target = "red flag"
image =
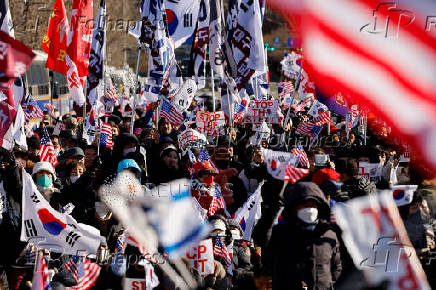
{"points": [[54, 42], [80, 35], [15, 59]]}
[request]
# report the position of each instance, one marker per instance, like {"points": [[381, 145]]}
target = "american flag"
{"points": [[332, 215], [294, 174], [171, 114], [322, 118], [84, 272], [31, 109], [106, 135], [308, 129], [46, 149], [111, 94], [41, 278], [220, 250], [303, 159], [285, 88], [370, 40], [353, 115], [216, 203], [51, 108]]}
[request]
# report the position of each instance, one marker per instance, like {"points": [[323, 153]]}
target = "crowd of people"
{"points": [[295, 243]]}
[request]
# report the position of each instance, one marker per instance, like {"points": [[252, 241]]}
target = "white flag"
{"points": [[74, 82], [248, 215], [90, 127], [52, 230], [183, 98], [181, 17], [95, 82], [378, 243], [247, 43]]}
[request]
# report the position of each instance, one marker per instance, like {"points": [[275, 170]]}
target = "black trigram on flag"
{"points": [[187, 20], [72, 238], [30, 228], [34, 198]]}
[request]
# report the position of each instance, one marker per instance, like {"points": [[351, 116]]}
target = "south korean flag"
{"points": [[49, 229]]}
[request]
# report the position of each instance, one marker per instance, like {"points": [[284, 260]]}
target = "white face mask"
{"points": [[309, 215], [74, 178], [128, 150]]}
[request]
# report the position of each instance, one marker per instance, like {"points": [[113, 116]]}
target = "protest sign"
{"points": [[201, 257], [371, 171], [378, 243], [134, 284], [262, 110], [210, 123]]}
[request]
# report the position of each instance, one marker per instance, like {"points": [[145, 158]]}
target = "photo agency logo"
{"points": [[390, 17]]}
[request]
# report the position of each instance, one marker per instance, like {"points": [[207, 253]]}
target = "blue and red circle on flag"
{"points": [[398, 194], [50, 223], [172, 20]]}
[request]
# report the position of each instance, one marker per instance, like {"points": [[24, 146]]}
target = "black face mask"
{"points": [[222, 164]]}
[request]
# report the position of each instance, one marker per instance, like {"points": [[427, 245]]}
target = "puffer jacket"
{"points": [[299, 257], [358, 186]]}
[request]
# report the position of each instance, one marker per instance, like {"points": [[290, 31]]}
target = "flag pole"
{"points": [[365, 126], [138, 61], [213, 87], [288, 114]]}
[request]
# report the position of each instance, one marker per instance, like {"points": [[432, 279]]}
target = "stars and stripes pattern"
{"points": [[46, 149], [303, 160], [336, 57], [309, 129], [106, 135], [220, 250], [217, 202], [41, 278], [170, 113], [353, 115], [111, 94], [285, 88], [332, 215], [203, 155], [31, 109], [240, 110], [132, 241], [84, 272], [322, 118], [294, 174]]}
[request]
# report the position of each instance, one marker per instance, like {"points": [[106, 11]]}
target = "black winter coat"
{"points": [[300, 256]]}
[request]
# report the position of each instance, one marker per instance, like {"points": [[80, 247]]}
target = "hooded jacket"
{"points": [[298, 257]]}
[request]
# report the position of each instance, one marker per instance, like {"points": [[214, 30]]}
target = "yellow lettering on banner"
{"points": [[61, 55]]}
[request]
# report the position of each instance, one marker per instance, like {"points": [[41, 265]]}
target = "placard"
{"points": [[201, 257], [134, 284], [262, 110], [210, 123]]}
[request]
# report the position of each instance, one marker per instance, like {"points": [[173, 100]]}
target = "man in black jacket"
{"points": [[304, 250]]}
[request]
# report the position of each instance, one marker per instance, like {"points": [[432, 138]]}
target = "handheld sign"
{"points": [[210, 123], [378, 243], [201, 257], [262, 110]]}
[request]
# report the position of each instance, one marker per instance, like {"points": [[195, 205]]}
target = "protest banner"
{"points": [[210, 123], [262, 110], [134, 284], [201, 257], [378, 243]]}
